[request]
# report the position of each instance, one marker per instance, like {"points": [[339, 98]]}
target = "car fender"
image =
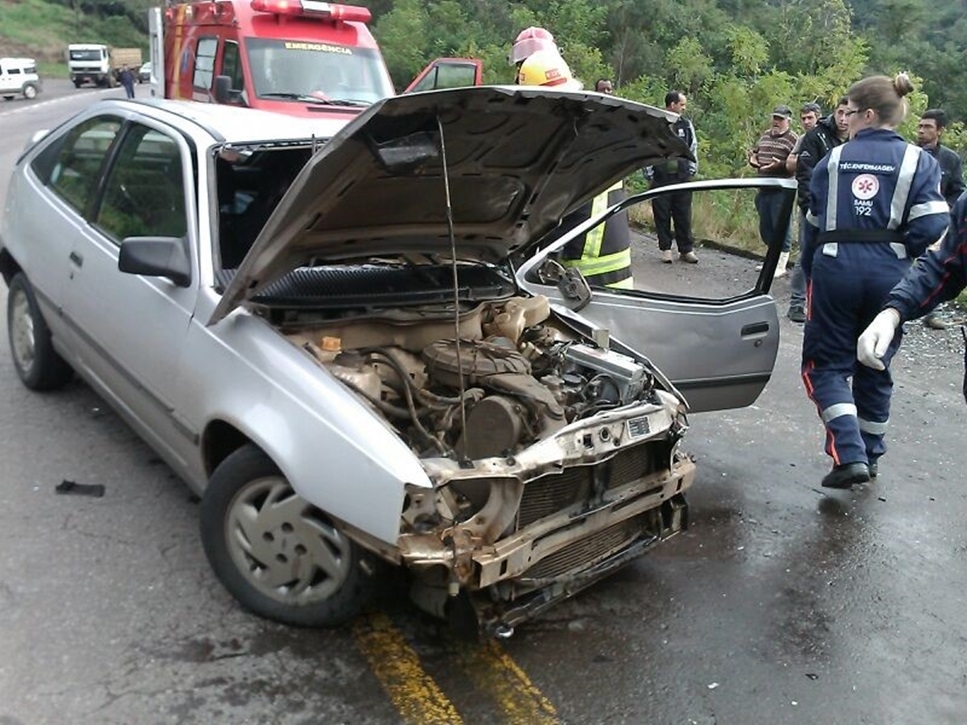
{"points": [[333, 449]]}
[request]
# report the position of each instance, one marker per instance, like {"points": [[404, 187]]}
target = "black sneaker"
{"points": [[846, 475], [797, 313]]}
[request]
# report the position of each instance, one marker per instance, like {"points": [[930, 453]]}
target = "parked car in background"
{"points": [[18, 76], [327, 332], [144, 72]]}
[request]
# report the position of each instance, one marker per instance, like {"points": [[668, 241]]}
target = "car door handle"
{"points": [[755, 329], [77, 259]]}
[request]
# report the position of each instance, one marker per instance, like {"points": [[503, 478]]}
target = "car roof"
{"points": [[228, 124]]}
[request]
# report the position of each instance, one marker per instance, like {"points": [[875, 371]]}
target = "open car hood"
{"points": [[517, 159]]}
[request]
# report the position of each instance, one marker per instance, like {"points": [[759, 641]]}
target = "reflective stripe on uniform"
{"points": [[599, 265], [874, 427], [593, 239], [832, 197], [901, 192], [838, 410], [928, 208]]}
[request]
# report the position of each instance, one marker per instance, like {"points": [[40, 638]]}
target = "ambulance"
{"points": [[299, 57]]}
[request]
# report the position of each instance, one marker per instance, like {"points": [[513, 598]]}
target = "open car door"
{"points": [[448, 73], [711, 328]]}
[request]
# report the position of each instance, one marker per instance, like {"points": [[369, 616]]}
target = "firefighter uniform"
{"points": [[875, 205], [603, 254]]}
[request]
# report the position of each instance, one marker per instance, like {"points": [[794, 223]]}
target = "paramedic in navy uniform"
{"points": [[875, 206]]}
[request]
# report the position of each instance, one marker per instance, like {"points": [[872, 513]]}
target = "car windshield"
{"points": [[85, 55], [322, 72]]}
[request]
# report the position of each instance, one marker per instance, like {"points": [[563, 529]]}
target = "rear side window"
{"points": [[144, 195], [71, 166], [205, 63]]}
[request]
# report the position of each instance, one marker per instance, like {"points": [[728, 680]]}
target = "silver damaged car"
{"points": [[349, 342]]}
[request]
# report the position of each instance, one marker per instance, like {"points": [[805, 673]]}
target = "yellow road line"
{"points": [[415, 695], [494, 672]]}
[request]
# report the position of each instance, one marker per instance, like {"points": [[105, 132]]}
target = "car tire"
{"points": [[30, 91], [8, 98], [77, 84], [278, 555], [38, 365]]}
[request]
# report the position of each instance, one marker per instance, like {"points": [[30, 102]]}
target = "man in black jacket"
{"points": [[828, 133], [675, 206], [929, 131]]}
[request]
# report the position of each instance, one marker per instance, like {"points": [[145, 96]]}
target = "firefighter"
{"points": [[875, 204], [603, 254], [528, 41]]}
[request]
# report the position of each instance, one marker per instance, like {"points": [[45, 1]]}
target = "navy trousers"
{"points": [[845, 293], [769, 205]]}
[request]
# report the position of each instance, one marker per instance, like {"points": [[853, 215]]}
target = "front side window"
{"points": [[71, 165], [231, 66], [144, 194], [205, 63], [296, 70]]}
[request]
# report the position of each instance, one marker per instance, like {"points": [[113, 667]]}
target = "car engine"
{"points": [[513, 377]]}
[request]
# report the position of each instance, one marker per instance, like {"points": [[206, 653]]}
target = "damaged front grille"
{"points": [[547, 495], [585, 552]]}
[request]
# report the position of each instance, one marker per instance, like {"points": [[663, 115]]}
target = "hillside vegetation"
{"points": [[734, 58]]}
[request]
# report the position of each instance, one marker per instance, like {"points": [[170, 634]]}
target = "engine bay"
{"points": [[514, 376]]}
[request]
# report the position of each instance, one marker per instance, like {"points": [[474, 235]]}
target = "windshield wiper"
{"points": [[314, 99]]}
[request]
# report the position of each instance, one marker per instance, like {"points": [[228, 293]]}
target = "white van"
{"points": [[19, 76]]}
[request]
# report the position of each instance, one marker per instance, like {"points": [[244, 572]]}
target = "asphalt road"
{"points": [[783, 603]]}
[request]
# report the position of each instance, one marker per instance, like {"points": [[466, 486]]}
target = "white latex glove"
{"points": [[872, 345]]}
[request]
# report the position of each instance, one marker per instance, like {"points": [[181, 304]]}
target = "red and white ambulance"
{"points": [[299, 57]]}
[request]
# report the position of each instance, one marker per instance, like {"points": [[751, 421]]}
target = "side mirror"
{"points": [[223, 89], [156, 257], [569, 281]]}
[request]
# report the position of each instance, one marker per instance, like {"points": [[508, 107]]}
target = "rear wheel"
{"points": [[277, 554], [30, 91], [37, 363]]}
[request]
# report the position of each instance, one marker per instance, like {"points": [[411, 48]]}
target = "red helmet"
{"points": [[528, 41]]}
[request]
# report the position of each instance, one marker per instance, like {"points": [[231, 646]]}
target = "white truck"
{"points": [[18, 76], [100, 64]]}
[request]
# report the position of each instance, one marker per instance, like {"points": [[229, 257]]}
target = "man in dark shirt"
{"points": [[827, 134], [929, 131]]}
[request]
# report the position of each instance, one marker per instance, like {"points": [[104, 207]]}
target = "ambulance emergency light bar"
{"points": [[313, 8]]}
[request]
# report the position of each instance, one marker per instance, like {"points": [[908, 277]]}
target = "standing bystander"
{"points": [[768, 157], [827, 134], [604, 85], [676, 205], [809, 116], [874, 204], [126, 76], [929, 131]]}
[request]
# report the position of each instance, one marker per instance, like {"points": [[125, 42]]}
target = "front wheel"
{"points": [[276, 553], [37, 363], [30, 91]]}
